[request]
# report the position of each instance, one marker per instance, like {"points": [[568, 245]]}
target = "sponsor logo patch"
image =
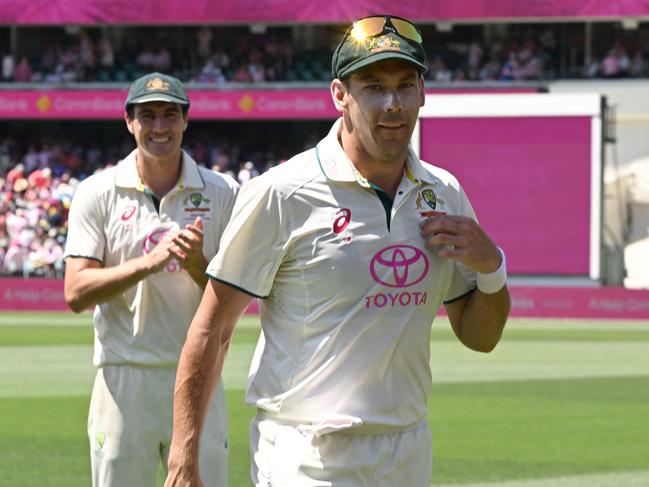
{"points": [[193, 203], [399, 266]]}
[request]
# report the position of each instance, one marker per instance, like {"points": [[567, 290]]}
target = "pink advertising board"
{"points": [[530, 164], [527, 301], [205, 104], [289, 104], [18, 294], [529, 182], [282, 11]]}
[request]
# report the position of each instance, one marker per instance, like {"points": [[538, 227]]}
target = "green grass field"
{"points": [[558, 403]]}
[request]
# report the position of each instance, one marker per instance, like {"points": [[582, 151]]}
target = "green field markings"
{"points": [[639, 478], [31, 365], [68, 370], [34, 335], [538, 359], [488, 432], [43, 442], [45, 318], [46, 371], [562, 404]]}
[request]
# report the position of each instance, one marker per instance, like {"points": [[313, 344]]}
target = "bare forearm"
{"points": [[483, 319], [199, 369], [94, 285], [197, 273]]}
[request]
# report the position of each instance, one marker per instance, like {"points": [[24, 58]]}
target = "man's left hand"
{"points": [[461, 238], [189, 247]]}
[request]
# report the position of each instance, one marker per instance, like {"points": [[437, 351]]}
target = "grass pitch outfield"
{"points": [[558, 403]]}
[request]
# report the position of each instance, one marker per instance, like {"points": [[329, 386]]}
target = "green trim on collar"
{"points": [[387, 203]]}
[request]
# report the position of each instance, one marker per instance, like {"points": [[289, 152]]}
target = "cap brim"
{"points": [[380, 56], [158, 97]]}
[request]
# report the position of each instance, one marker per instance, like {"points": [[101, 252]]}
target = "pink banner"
{"points": [[579, 302], [528, 179], [326, 11], [46, 295], [551, 302], [206, 104], [32, 295], [287, 104]]}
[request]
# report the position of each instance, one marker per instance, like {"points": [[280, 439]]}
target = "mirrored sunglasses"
{"points": [[373, 26]]}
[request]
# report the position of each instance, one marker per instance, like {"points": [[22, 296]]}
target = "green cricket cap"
{"points": [[156, 87], [353, 53]]}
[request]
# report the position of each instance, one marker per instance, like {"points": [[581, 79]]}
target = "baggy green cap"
{"points": [[156, 87], [353, 54]]}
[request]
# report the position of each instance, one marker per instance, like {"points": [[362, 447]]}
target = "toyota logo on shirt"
{"points": [[399, 266]]}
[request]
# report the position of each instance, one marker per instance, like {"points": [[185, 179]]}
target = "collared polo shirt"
{"points": [[113, 219], [348, 302]]}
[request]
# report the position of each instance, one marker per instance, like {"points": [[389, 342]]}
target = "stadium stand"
{"points": [[218, 55]]}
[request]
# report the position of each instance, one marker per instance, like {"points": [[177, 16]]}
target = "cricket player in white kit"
{"points": [[353, 246], [140, 236]]}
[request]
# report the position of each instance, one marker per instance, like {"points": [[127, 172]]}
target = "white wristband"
{"points": [[492, 282]]}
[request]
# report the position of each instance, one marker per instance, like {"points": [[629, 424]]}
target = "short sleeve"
{"points": [[86, 236], [254, 242], [464, 279]]}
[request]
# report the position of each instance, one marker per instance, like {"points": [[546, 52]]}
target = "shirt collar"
{"points": [[335, 164], [128, 176]]}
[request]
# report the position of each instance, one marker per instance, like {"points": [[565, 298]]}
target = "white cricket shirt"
{"points": [[112, 220], [349, 303]]}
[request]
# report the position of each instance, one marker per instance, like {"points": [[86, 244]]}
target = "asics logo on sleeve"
{"points": [[343, 217], [129, 211]]}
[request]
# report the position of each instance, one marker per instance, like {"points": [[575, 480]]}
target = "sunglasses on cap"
{"points": [[375, 25]]}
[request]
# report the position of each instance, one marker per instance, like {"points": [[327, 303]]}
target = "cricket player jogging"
{"points": [[353, 246], [140, 236]]}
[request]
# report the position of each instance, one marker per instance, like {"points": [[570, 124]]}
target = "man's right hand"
{"points": [[162, 253], [179, 476]]}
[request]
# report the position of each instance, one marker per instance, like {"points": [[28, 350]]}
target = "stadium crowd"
{"points": [[232, 54], [40, 169]]}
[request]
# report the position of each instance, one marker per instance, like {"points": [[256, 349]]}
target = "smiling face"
{"points": [[158, 129], [380, 105]]}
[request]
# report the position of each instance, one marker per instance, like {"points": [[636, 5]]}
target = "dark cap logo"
{"points": [[383, 43]]}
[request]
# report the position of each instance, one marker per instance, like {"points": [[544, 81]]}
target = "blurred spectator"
{"points": [[87, 55], [8, 65], [610, 67], [23, 72], [211, 74], [242, 74], [105, 53], [204, 42], [638, 65], [161, 60], [247, 172], [146, 59]]}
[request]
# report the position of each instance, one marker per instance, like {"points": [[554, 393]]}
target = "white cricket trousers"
{"points": [[285, 456], [129, 428]]}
